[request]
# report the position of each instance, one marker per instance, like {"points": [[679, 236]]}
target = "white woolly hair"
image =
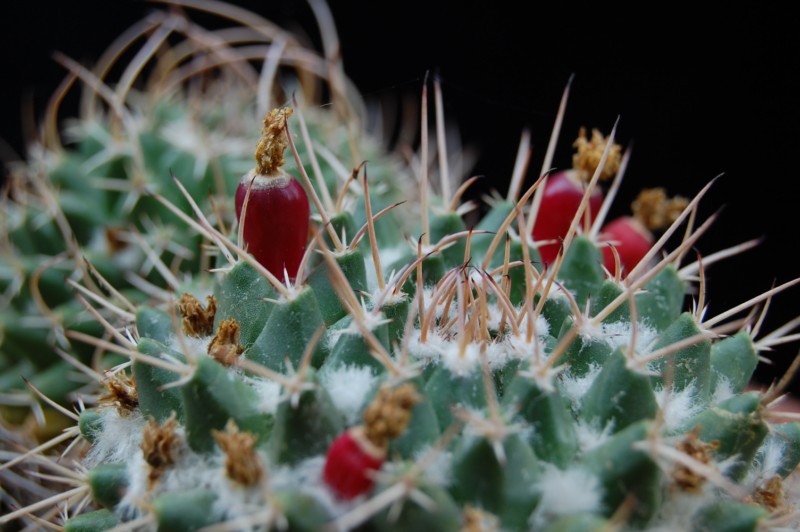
{"points": [[591, 435], [566, 492], [196, 345], [118, 440], [574, 388], [678, 510], [462, 364], [233, 499], [495, 312], [371, 320], [269, 393], [332, 336], [429, 351], [438, 469], [678, 408], [541, 327], [523, 349], [349, 387], [618, 335], [196, 470], [137, 490], [723, 390], [498, 354], [307, 478], [767, 462], [189, 469]]}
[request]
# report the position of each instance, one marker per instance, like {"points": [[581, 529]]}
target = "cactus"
{"points": [[85, 211], [449, 380]]}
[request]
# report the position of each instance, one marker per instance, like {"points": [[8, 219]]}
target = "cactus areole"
{"points": [[275, 216]]}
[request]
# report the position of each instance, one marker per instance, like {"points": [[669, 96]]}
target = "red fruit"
{"points": [[276, 222], [350, 463], [631, 239], [560, 200]]}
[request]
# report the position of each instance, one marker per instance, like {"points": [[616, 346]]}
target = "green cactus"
{"points": [[455, 379], [85, 209]]}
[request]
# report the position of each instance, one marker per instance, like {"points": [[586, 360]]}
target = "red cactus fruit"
{"points": [[560, 200], [275, 224], [632, 236], [350, 463], [563, 192], [356, 455], [631, 239]]}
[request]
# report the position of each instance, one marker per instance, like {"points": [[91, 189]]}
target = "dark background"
{"points": [[701, 94]]}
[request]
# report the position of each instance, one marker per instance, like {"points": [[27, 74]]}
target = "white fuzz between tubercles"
{"points": [[349, 386], [574, 388], [618, 335], [233, 499], [196, 345], [572, 491], [137, 490], [427, 301], [438, 469], [462, 363], [527, 350], [119, 439], [189, 469], [498, 355], [495, 315], [590, 435], [678, 511], [678, 408], [306, 477], [766, 464], [372, 320], [332, 336], [541, 327], [722, 391], [269, 393], [429, 351]]}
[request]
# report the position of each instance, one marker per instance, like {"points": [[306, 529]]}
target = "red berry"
{"points": [[560, 200], [276, 222], [350, 463], [631, 239]]}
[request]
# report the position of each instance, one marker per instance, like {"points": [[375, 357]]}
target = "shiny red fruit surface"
{"points": [[276, 222], [631, 239], [348, 466], [560, 200]]}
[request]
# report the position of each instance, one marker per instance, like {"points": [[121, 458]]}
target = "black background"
{"points": [[698, 93]]}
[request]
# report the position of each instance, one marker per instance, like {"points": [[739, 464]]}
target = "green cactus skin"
{"points": [[559, 399], [96, 521]]}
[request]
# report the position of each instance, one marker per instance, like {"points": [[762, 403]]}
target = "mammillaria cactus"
{"points": [[402, 375]]}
